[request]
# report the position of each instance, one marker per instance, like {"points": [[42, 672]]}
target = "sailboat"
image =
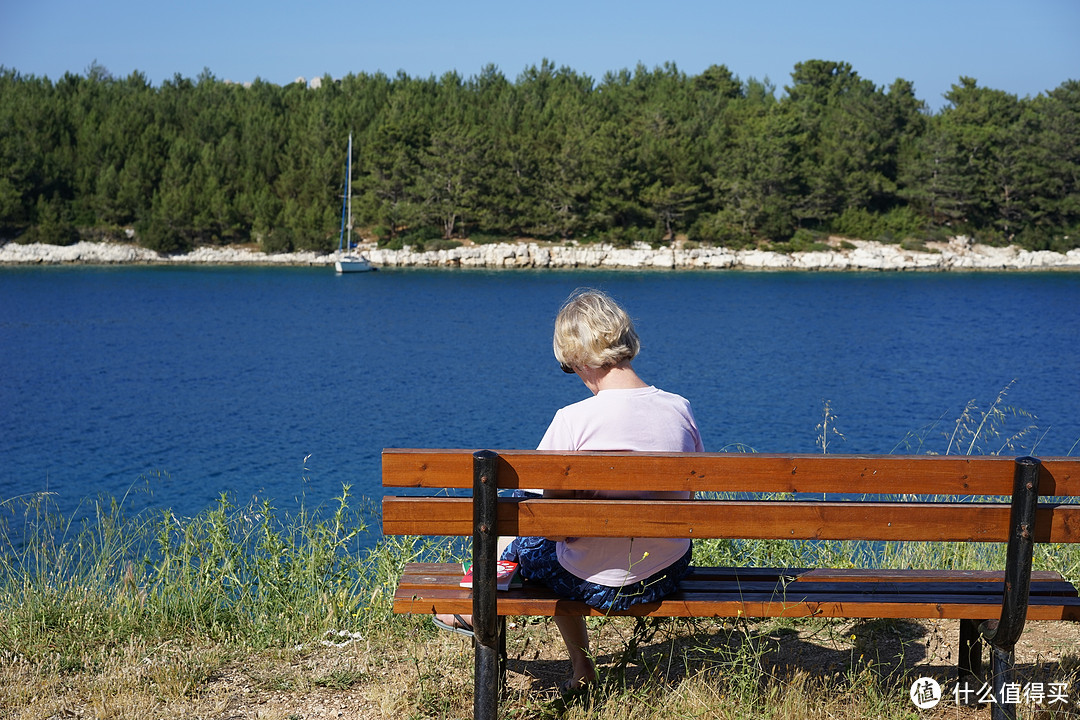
{"points": [[348, 260]]}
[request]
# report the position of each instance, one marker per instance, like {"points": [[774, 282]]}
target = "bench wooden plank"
{"points": [[420, 577], [421, 583], [540, 601], [731, 472], [935, 589], [864, 574], [791, 594], [920, 575], [767, 519]]}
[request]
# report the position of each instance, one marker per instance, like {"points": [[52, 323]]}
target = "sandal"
{"points": [[460, 626]]}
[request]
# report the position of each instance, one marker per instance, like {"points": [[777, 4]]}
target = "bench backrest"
{"points": [[888, 497]]}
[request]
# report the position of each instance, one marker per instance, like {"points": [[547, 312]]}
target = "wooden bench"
{"points": [[960, 498]]}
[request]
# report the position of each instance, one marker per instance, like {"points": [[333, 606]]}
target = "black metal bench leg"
{"points": [[1002, 635], [502, 654], [1002, 673], [486, 702], [489, 652], [969, 663]]}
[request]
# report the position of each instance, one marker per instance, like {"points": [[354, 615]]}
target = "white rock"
{"points": [[763, 259], [959, 253]]}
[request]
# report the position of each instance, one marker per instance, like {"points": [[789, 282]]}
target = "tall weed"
{"points": [[994, 429], [250, 575]]}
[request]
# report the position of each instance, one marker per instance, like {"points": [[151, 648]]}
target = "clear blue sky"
{"points": [[1021, 46]]}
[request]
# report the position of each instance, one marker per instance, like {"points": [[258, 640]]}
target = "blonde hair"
{"points": [[592, 330]]}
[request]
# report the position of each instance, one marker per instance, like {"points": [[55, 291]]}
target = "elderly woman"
{"points": [[595, 339]]}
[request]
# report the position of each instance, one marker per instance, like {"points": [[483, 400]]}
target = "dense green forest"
{"points": [[645, 155]]}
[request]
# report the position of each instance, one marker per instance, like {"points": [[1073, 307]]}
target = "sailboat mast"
{"points": [[348, 194]]}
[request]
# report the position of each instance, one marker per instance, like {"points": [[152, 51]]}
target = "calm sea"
{"points": [[183, 383]]}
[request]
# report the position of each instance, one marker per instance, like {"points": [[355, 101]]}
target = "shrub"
{"points": [[897, 224], [1043, 239], [163, 236], [420, 236], [804, 240], [306, 239], [856, 223], [53, 226], [441, 244], [992, 237], [720, 229], [278, 240], [915, 245], [626, 237], [52, 233]]}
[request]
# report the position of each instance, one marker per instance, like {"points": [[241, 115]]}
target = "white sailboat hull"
{"points": [[352, 265]]}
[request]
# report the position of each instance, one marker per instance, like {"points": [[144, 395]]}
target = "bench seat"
{"points": [[769, 592]]}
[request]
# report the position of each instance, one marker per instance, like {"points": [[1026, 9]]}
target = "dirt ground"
{"points": [[372, 684]]}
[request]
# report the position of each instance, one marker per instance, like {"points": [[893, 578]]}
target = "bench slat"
{"points": [[769, 519], [680, 604], [419, 577], [934, 589], [1044, 582], [797, 588], [861, 574], [731, 472], [705, 572], [920, 575]]}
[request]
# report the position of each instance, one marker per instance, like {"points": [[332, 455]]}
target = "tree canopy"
{"points": [[645, 155]]}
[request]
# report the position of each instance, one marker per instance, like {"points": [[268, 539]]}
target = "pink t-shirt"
{"points": [[639, 419]]}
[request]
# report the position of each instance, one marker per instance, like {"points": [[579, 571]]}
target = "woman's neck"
{"points": [[620, 376]]}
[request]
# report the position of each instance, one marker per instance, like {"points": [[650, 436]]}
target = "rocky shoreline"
{"points": [[958, 254]]}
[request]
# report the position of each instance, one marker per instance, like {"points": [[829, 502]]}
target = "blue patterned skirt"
{"points": [[539, 563]]}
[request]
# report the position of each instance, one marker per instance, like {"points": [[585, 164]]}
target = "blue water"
{"points": [[284, 383]]}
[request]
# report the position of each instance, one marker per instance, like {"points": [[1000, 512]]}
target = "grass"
{"points": [[145, 610], [166, 617], [249, 611]]}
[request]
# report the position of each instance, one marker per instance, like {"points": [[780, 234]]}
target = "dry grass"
{"points": [[768, 669]]}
